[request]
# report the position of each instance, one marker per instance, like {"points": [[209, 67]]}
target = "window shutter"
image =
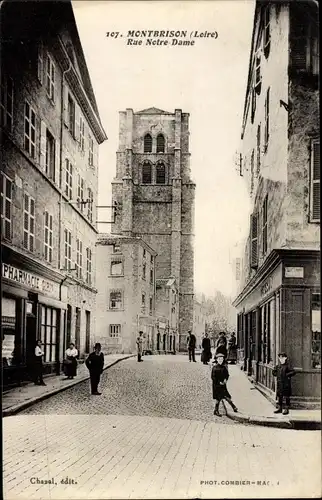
{"points": [[77, 127], [57, 163], [66, 105], [43, 130], [95, 148], [316, 190], [254, 241]]}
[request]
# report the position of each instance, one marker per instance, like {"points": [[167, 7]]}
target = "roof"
{"points": [[153, 111]]}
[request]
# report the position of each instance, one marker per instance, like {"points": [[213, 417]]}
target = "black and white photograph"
{"points": [[160, 249]]}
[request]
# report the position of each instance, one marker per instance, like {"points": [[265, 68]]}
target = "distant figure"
{"points": [[191, 344], [283, 373], [221, 346], [220, 375], [139, 346], [95, 364], [206, 349], [39, 364], [232, 349], [71, 361]]}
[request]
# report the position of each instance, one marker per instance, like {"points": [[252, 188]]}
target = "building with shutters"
{"points": [[51, 130], [155, 195], [279, 300]]}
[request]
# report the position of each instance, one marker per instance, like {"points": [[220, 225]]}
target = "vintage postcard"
{"points": [[160, 234]]}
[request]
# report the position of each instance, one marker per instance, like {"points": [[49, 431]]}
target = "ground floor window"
{"points": [[115, 331], [48, 332], [316, 330], [8, 327]]}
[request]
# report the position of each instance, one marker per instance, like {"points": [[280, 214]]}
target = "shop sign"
{"points": [[294, 272], [32, 281]]}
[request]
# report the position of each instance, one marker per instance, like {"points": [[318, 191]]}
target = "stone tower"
{"points": [[156, 195]]}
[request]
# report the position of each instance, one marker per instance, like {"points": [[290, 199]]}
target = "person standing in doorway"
{"points": [[139, 346], [191, 341], [95, 364], [220, 375], [39, 364], [206, 349], [283, 373]]}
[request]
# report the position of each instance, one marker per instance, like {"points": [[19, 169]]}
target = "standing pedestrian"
{"points": [[232, 349], [139, 346], [71, 361], [191, 341], [283, 373], [221, 346], [220, 375], [95, 364], [206, 349], [38, 367]]}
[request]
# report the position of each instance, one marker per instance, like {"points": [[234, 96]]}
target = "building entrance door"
{"points": [[31, 337]]}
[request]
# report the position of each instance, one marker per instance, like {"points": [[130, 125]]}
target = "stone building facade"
{"points": [[51, 131], [155, 195], [279, 299], [126, 303]]}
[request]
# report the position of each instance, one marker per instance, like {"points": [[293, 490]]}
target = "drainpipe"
{"points": [[61, 164]]}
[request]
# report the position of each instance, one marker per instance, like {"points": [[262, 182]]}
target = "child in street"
{"points": [[283, 373], [220, 375]]}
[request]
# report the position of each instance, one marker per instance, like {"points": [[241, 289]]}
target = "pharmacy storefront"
{"points": [[33, 307]]}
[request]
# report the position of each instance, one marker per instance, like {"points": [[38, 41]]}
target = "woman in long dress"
{"points": [[71, 361], [206, 349]]}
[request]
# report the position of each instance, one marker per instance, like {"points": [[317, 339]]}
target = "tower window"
{"points": [[147, 173], [160, 173], [148, 143], [160, 143]]}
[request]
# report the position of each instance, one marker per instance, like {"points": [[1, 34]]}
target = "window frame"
{"points": [[162, 145], [90, 201], [258, 149], [157, 173], [6, 98], [91, 151], [313, 181], [266, 129], [79, 259], [265, 225], [67, 250], [46, 327], [116, 334], [147, 164], [81, 133], [89, 261], [30, 122], [147, 146], [40, 62], [117, 260], [29, 222], [50, 155], [6, 202], [80, 193], [68, 179], [50, 78], [120, 295], [71, 113], [48, 236]]}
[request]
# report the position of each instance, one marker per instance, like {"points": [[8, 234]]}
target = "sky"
{"points": [[207, 80]]}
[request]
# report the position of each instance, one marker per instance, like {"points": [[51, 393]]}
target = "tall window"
{"points": [[90, 198], [71, 115], [253, 109], [30, 130], [148, 143], [68, 250], [50, 155], [266, 131], [115, 331], [80, 193], [50, 78], [48, 237], [160, 177], [316, 330], [88, 266], [116, 299], [91, 152], [48, 333], [252, 172], [258, 148], [6, 102], [79, 258], [151, 276], [315, 181], [267, 33], [6, 207], [264, 225], [146, 173], [69, 180], [143, 302], [254, 241], [40, 62], [81, 133], [258, 76], [151, 306], [117, 266], [160, 143], [144, 270], [29, 223]]}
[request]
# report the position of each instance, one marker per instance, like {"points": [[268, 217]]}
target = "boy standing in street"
{"points": [[283, 373], [95, 364]]}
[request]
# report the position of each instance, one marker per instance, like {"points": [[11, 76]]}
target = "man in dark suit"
{"points": [[191, 346]]}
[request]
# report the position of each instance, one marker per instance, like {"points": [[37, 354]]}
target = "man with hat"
{"points": [[139, 346], [220, 375]]}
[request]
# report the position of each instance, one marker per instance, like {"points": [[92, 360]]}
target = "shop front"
{"points": [[279, 310], [32, 307]]}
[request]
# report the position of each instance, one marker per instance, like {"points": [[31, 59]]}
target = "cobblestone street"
{"points": [[118, 446]]}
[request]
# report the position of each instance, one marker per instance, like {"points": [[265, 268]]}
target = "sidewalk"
{"points": [[254, 408], [19, 398]]}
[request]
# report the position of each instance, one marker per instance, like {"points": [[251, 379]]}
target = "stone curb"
{"points": [[13, 410], [289, 423]]}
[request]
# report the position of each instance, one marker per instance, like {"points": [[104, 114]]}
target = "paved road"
{"points": [[161, 386], [152, 435]]}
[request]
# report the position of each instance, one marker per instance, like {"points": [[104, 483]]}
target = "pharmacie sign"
{"points": [[29, 280]]}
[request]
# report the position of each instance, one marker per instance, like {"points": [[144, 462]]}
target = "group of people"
{"points": [[223, 346]]}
